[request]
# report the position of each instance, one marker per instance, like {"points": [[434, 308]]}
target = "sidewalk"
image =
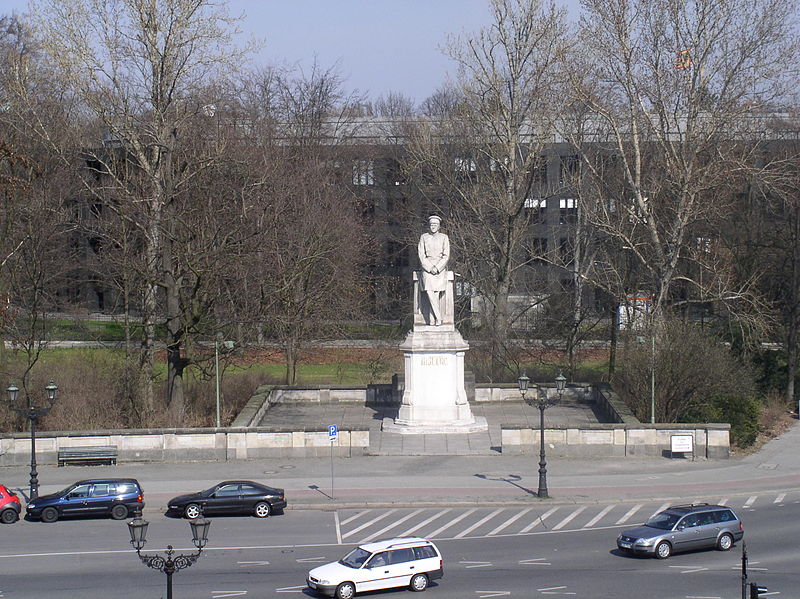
{"points": [[379, 481]]}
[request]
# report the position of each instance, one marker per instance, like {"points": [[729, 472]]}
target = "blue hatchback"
{"points": [[115, 497]]}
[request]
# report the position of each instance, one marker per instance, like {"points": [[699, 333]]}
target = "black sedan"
{"points": [[229, 497]]}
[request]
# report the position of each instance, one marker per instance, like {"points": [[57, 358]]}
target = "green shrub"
{"points": [[741, 411]]}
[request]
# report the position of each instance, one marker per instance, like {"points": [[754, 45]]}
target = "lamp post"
{"points": [[542, 402], [170, 563], [33, 413]]}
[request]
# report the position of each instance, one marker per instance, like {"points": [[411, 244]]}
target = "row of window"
{"points": [[363, 170]]}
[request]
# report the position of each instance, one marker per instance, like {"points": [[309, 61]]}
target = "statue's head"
{"points": [[434, 222]]}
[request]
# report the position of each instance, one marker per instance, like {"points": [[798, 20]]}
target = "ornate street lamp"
{"points": [[33, 413], [171, 563], [542, 402]]}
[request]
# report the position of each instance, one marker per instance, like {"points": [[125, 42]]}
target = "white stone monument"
{"points": [[434, 399]]}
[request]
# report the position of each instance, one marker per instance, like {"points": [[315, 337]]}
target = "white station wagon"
{"points": [[411, 562]]}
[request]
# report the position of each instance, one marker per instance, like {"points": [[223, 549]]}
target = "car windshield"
{"points": [[663, 521], [356, 558]]}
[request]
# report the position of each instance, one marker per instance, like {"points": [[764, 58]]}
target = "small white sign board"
{"points": [[682, 444]]}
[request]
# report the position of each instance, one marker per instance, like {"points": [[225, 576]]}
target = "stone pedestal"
{"points": [[434, 399]]}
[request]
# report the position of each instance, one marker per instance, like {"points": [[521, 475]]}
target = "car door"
{"points": [[706, 530], [76, 502], [251, 495], [225, 500], [685, 534], [375, 573], [101, 498], [402, 565]]}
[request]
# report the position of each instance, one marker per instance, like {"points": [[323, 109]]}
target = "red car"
{"points": [[10, 506]]}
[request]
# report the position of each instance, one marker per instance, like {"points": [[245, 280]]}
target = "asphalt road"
{"points": [[513, 551]]}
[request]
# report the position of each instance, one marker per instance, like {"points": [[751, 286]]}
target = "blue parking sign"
{"points": [[333, 431]]}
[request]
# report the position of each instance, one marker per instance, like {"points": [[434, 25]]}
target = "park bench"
{"points": [[104, 454]]}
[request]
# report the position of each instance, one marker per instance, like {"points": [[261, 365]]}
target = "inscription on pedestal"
{"points": [[433, 361]]}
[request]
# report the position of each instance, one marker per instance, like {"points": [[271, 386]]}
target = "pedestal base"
{"points": [[433, 398], [477, 425]]}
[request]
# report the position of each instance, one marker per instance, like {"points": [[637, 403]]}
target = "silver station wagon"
{"points": [[683, 528]]}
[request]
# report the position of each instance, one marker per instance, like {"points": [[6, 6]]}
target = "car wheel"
{"points": [[192, 511], [262, 509], [419, 582], [8, 516], [119, 512], [663, 550], [49, 514], [346, 590], [725, 542]]}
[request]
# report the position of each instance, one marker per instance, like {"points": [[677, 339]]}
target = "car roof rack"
{"points": [[687, 506]]}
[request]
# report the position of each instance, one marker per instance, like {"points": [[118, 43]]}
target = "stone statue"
{"points": [[434, 252]]}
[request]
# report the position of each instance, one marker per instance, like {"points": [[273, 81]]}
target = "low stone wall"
{"points": [[711, 441], [190, 445]]}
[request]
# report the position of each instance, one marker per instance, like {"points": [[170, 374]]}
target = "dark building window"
{"points": [[538, 250], [538, 210], [568, 211], [565, 251], [569, 168]]}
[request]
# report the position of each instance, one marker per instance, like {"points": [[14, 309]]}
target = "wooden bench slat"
{"points": [[88, 453]]}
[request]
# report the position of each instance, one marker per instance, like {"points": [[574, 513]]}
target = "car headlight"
{"points": [[325, 582], [31, 505], [644, 542]]}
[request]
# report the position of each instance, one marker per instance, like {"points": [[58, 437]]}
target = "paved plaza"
{"points": [[346, 415]]}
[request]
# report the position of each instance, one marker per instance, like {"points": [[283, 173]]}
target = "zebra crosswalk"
{"points": [[362, 526]]}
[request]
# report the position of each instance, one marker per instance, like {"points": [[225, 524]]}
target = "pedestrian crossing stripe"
{"points": [[450, 522]]}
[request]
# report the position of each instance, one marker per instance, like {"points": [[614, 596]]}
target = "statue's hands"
{"points": [[434, 270]]}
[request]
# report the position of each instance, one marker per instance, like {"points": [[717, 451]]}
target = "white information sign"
{"points": [[682, 444]]}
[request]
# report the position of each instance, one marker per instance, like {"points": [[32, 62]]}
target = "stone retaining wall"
{"points": [[711, 441], [189, 445]]}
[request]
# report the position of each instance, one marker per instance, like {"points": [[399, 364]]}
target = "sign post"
{"points": [[333, 434]]}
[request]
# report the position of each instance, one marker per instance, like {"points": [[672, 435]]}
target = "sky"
{"points": [[377, 46]]}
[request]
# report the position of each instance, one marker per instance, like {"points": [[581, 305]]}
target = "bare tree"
{"points": [[136, 67], [308, 245], [676, 94], [480, 163]]}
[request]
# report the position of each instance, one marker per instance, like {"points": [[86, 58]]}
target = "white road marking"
{"points": [[687, 569], [555, 591], [780, 498], [338, 527], [358, 515], [629, 513], [480, 522], [750, 501], [723, 500], [391, 526], [370, 523], [416, 527], [660, 509], [596, 519], [452, 522], [536, 561], [697, 597], [539, 520], [223, 594], [569, 518], [261, 563], [476, 564], [297, 589], [510, 521], [487, 594], [311, 560]]}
